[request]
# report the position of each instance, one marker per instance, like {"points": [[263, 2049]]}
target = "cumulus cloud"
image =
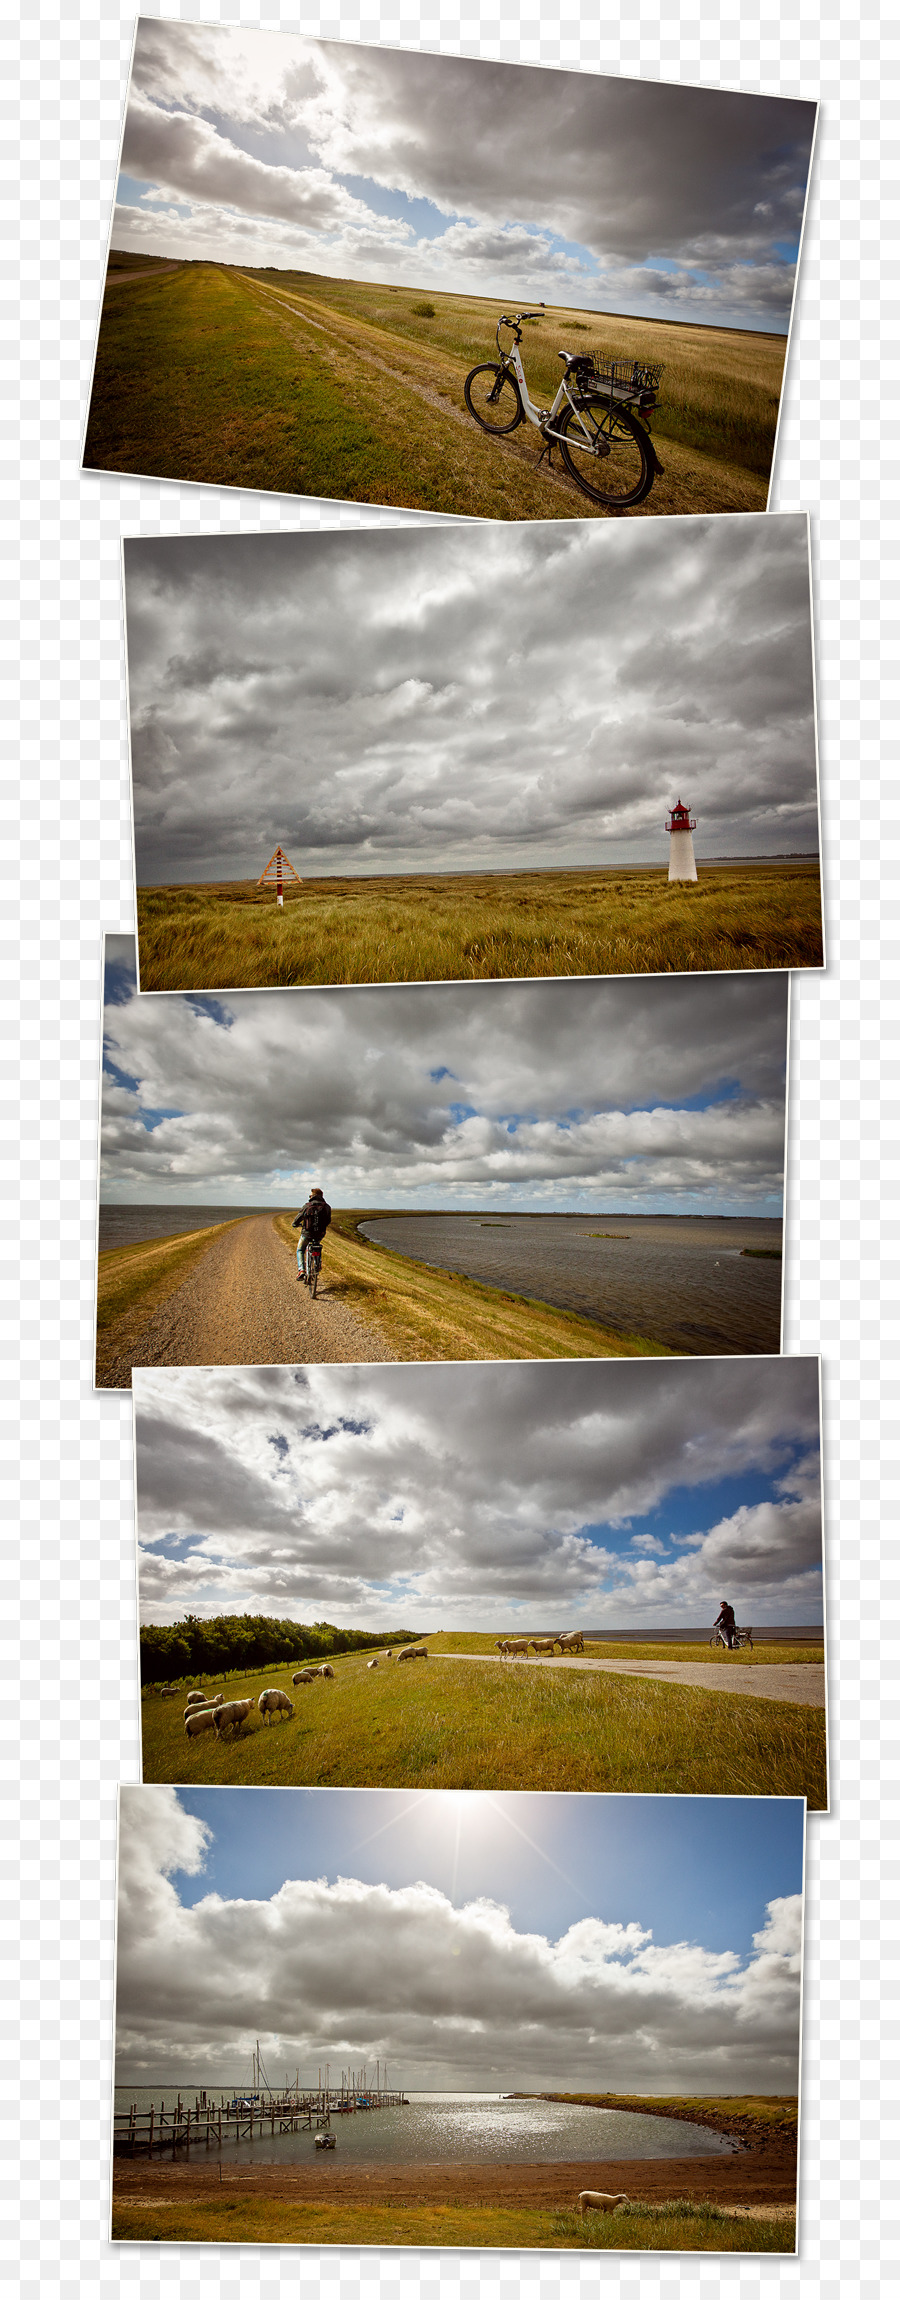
{"points": [[362, 1971], [647, 194], [650, 1093], [475, 721], [461, 1494]]}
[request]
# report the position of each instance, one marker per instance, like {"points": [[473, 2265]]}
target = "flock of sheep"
{"points": [[206, 1713], [568, 1640]]}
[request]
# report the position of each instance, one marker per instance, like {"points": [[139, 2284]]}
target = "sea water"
{"points": [[684, 1281], [464, 2128]]}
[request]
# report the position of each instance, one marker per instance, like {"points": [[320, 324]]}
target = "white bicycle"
{"points": [[598, 419]]}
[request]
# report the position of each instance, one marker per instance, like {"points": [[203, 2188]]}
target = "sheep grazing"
{"points": [[231, 1713], [303, 1676], [197, 1698], [326, 1670], [198, 1721], [273, 1702], [413, 1653], [599, 2200], [389, 1654], [372, 1664], [168, 1692], [198, 1709]]}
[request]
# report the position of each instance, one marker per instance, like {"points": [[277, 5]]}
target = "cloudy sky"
{"points": [[437, 1496], [512, 1940], [659, 1095], [488, 179], [462, 698]]}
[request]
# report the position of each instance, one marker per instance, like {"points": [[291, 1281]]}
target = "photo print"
{"points": [[512, 1170], [447, 285], [608, 1576], [468, 753], [531, 2022]]}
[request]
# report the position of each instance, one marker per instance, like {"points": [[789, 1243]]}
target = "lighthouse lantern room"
{"points": [[681, 845]]}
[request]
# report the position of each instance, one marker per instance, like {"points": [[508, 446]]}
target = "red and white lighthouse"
{"points": [[681, 845]]}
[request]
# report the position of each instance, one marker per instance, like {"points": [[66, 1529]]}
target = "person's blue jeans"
{"points": [[301, 1257]]}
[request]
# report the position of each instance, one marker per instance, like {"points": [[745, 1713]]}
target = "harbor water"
{"points": [[464, 2128], [685, 1281]]}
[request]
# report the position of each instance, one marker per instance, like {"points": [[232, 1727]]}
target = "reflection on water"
{"points": [[684, 1282], [471, 2128]]}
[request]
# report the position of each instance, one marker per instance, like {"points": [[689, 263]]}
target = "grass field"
{"points": [[305, 385], [441, 1726], [681, 2226], [481, 927]]}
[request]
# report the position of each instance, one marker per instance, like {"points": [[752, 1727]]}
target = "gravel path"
{"points": [[241, 1306], [799, 1681]]}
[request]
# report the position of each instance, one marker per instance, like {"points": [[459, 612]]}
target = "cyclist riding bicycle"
{"points": [[726, 1622], [312, 1223]]}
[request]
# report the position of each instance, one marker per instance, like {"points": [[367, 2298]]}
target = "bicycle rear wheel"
{"points": [[313, 1279], [607, 453], [492, 396]]}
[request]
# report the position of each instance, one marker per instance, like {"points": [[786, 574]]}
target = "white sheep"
{"points": [[389, 1654], [231, 1713], [516, 1645], [543, 1644], [168, 1692], [197, 1696], [303, 1676], [413, 1653], [198, 1709], [599, 2200], [198, 1721], [372, 1664], [272, 1702], [570, 1640], [502, 1644]]}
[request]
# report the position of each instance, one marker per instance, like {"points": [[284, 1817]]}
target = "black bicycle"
{"points": [[599, 419], [313, 1265]]}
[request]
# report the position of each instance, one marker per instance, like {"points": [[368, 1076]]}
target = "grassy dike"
{"points": [[440, 1725], [434, 1314], [133, 1281]]}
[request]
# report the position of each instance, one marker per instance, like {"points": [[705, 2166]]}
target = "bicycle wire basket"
{"points": [[598, 372]]}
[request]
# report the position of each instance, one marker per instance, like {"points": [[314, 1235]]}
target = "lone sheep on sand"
{"points": [[598, 2200]]}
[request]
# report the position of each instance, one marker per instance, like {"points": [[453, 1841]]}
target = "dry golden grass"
{"points": [[133, 1281], [477, 927]]}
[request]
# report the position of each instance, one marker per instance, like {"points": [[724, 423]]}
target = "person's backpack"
{"points": [[318, 1216]]}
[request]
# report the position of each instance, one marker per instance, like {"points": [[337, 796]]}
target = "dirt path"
{"points": [[799, 1681], [724, 2180], [149, 272], [242, 1306]]}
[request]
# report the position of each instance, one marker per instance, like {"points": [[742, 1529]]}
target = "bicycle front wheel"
{"points": [[607, 453], [492, 396]]}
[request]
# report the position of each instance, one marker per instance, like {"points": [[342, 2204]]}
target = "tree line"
{"points": [[195, 1648]]}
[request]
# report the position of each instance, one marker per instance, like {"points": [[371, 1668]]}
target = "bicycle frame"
{"points": [[541, 417]]}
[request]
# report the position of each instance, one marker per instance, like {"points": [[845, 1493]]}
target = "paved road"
{"points": [[798, 1681], [241, 1306]]}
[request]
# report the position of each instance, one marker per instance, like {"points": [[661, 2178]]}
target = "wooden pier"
{"points": [[166, 2131]]}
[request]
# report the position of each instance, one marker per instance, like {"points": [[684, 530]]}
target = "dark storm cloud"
{"points": [[648, 1091], [396, 700], [666, 194], [451, 1489]]}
